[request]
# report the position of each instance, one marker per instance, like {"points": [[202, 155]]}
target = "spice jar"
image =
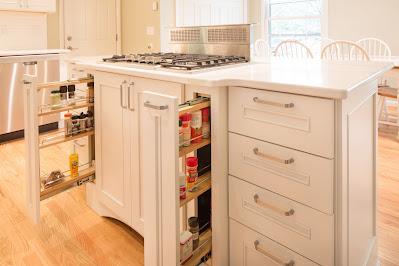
{"points": [[63, 95], [55, 100], [90, 92], [206, 126], [186, 246], [71, 95], [192, 173], [182, 186], [82, 122], [75, 125], [180, 133], [186, 129], [89, 121], [193, 223], [68, 124], [196, 126]]}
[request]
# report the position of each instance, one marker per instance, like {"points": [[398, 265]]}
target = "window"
{"points": [[299, 20]]}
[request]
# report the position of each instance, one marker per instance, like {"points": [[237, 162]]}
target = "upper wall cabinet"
{"points": [[45, 6], [210, 12]]}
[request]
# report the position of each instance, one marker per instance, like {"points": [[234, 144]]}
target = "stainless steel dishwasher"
{"points": [[12, 68]]}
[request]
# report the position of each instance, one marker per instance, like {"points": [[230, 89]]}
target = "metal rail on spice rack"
{"points": [[204, 184], [78, 105], [61, 138], [63, 83], [193, 108], [204, 247]]}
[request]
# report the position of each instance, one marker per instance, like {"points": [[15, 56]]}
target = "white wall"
{"points": [[356, 19], [21, 30]]}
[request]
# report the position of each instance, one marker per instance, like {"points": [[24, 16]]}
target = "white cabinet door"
{"points": [[11, 4], [203, 13], [228, 12], [136, 88], [40, 5], [113, 144], [160, 155], [185, 13]]}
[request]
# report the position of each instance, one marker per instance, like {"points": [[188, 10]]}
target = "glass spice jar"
{"points": [[193, 223], [192, 173], [206, 126], [186, 119]]}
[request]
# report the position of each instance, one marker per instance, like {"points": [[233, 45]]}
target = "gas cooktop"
{"points": [[177, 61]]}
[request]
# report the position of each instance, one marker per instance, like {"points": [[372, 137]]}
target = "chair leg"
{"points": [[381, 104]]}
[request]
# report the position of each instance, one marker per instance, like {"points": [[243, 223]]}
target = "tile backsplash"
{"points": [[22, 31]]}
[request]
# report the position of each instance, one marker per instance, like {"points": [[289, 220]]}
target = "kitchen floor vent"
{"points": [[185, 35]]}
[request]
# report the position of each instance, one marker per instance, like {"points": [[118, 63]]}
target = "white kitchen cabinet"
{"points": [[136, 86], [112, 123], [45, 6]]}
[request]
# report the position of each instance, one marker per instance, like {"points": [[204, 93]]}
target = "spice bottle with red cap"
{"points": [[192, 173]]}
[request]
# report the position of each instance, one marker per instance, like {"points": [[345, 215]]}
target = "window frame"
{"points": [[267, 19]]}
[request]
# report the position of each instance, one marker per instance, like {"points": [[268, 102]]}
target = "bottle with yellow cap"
{"points": [[74, 164]]}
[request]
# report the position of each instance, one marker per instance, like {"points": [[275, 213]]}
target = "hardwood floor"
{"points": [[71, 233]]}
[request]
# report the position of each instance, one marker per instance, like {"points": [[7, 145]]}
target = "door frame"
{"points": [[118, 25]]}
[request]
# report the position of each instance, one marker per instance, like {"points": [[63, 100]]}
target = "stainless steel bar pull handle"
{"points": [[156, 107], [128, 96], [284, 105], [21, 3], [121, 88], [32, 63], [276, 159], [270, 256], [272, 208]]}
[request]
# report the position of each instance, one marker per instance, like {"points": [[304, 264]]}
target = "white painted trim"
{"points": [[167, 9], [61, 23]]}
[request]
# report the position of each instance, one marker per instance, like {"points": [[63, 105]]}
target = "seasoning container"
{"points": [[75, 125], [192, 173], [68, 124], [89, 121], [186, 119], [82, 122], [90, 92], [55, 100], [206, 126], [182, 186], [196, 126], [193, 223], [63, 95], [71, 95], [180, 133], [74, 164], [186, 246]]}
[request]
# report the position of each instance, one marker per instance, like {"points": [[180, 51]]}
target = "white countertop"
{"points": [[320, 78], [32, 52]]}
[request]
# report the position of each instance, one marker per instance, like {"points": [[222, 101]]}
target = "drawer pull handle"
{"points": [[128, 95], [156, 107], [284, 105], [283, 161], [121, 88], [270, 256], [272, 208]]}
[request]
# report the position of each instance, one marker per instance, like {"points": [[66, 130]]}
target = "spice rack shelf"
{"points": [[205, 246], [62, 138], [203, 186], [68, 181], [194, 147], [64, 83], [193, 108], [68, 108]]}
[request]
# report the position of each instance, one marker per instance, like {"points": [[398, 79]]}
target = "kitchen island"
{"points": [[294, 158]]}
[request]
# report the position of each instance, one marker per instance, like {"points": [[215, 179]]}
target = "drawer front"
{"points": [[300, 122], [291, 224], [249, 248], [300, 176]]}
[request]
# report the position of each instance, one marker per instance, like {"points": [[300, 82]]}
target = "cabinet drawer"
{"points": [[300, 176], [293, 225], [248, 248], [300, 122]]}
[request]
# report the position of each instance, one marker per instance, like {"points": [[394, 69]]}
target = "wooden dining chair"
{"points": [[384, 115], [262, 49], [375, 47], [319, 45], [344, 50], [293, 49]]}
